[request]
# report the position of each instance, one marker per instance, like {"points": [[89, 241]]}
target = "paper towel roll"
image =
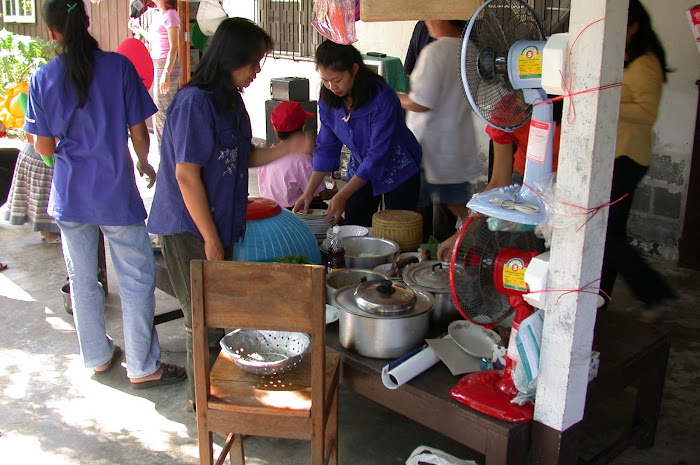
{"points": [[409, 366]]}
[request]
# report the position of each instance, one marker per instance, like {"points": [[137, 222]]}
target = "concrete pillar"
{"points": [[585, 173]]}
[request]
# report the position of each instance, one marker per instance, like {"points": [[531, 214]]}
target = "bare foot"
{"points": [[49, 236], [153, 377]]}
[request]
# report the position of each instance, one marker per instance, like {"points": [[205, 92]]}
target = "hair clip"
{"points": [[71, 7]]}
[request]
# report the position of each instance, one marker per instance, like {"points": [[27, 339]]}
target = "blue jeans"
{"points": [[134, 265]]}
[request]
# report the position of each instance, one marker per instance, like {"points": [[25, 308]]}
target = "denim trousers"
{"points": [[179, 250], [134, 265]]}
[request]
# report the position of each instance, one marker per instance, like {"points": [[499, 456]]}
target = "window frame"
{"points": [[27, 18], [301, 39]]}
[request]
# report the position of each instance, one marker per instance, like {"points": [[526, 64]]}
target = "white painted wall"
{"points": [[675, 126]]}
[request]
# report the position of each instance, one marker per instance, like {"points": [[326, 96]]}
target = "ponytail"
{"points": [[68, 18]]}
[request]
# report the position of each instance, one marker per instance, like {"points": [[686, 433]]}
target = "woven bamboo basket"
{"points": [[404, 227]]}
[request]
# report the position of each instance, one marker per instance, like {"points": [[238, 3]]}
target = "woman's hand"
{"points": [[147, 169], [444, 253], [303, 204], [336, 207], [213, 249], [164, 82]]}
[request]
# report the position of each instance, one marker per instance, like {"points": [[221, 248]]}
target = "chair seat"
{"points": [[289, 393]]}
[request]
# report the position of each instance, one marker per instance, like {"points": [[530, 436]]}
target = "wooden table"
{"points": [[631, 353], [426, 400]]}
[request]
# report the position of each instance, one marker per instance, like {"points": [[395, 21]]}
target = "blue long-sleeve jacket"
{"points": [[383, 150]]}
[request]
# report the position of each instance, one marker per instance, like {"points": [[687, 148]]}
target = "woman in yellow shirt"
{"points": [[642, 80]]}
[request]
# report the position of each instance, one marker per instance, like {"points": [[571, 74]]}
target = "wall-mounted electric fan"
{"points": [[506, 63]]}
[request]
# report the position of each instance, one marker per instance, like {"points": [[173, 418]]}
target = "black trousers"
{"points": [[363, 204], [620, 257]]}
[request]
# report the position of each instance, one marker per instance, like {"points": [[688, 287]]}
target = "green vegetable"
{"points": [[298, 260]]}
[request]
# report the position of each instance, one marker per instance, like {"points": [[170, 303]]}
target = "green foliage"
{"points": [[20, 56], [298, 260]]}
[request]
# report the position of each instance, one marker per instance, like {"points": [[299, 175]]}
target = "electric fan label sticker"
{"points": [[514, 275], [530, 63], [537, 140]]}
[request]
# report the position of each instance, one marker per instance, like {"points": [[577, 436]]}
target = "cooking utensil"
{"points": [[382, 335], [367, 252], [473, 339], [266, 352], [346, 277], [434, 277]]}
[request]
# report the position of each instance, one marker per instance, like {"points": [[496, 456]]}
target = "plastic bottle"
{"points": [[336, 252]]}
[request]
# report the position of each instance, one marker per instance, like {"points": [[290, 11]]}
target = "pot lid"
{"points": [[431, 275], [260, 208], [344, 298], [385, 297]]}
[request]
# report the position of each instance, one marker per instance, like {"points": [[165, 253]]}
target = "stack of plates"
{"points": [[315, 220]]}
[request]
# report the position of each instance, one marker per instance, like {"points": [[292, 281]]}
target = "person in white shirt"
{"points": [[440, 117]]}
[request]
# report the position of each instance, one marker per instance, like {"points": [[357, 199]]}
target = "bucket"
{"points": [[65, 292], [404, 227]]}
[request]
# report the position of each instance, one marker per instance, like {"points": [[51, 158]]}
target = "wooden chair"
{"points": [[299, 404]]}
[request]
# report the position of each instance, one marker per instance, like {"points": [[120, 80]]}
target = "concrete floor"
{"points": [[53, 411]]}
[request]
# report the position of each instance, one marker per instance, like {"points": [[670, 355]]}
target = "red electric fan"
{"points": [[487, 281]]}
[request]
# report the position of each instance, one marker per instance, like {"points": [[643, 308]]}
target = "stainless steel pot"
{"points": [[366, 252], [384, 332], [434, 277], [349, 276]]}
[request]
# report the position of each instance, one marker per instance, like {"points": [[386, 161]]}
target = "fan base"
{"points": [[480, 391], [515, 193]]}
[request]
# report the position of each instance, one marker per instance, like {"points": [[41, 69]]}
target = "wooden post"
{"points": [[585, 174], [183, 9]]}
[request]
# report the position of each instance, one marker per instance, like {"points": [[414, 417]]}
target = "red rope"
{"points": [[571, 116]]}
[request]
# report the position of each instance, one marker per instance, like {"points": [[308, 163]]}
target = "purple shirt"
{"points": [[93, 178], [220, 142], [382, 149]]}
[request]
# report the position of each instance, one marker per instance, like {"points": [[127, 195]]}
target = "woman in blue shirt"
{"points": [[358, 109], [80, 106], [199, 208]]}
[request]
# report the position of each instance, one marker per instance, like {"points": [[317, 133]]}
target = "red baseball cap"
{"points": [[289, 116]]}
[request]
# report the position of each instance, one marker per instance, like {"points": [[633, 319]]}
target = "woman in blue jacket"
{"points": [[358, 109]]}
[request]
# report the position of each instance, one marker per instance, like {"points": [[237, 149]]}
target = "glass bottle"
{"points": [[336, 252]]}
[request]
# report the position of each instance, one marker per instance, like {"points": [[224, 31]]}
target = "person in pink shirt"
{"points": [[163, 36], [285, 179]]}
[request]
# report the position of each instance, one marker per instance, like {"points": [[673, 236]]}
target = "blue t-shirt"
{"points": [[220, 142], [93, 178], [382, 149]]}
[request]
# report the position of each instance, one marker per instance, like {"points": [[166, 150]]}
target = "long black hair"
{"points": [[341, 58], [645, 39], [68, 18], [237, 42]]}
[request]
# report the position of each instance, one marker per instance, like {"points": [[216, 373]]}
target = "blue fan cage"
{"points": [[276, 236]]}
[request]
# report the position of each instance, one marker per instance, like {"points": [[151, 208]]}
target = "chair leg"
{"points": [[206, 446], [332, 432], [237, 455]]}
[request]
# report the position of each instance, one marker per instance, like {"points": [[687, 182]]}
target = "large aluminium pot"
{"points": [[434, 277], [382, 319], [349, 276], [367, 252]]}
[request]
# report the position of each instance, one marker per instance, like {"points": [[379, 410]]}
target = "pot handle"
{"points": [[386, 288]]}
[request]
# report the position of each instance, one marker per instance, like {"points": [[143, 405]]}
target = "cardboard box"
{"points": [[693, 15]]}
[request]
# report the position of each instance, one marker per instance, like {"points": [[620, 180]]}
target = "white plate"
{"points": [[474, 339], [332, 314]]}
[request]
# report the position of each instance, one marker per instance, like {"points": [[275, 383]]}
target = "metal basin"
{"points": [[368, 252]]}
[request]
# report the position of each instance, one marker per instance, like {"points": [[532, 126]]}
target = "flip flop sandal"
{"points": [[171, 374], [116, 356]]}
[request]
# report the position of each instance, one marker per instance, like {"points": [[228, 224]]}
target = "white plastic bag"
{"points": [[209, 15], [424, 455]]}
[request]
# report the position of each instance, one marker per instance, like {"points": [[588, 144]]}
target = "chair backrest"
{"points": [[266, 296]]}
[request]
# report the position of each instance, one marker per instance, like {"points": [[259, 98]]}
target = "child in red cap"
{"points": [[285, 179]]}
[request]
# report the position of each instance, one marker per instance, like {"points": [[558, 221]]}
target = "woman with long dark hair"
{"points": [[643, 77], [199, 208], [163, 35], [81, 105], [358, 109]]}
